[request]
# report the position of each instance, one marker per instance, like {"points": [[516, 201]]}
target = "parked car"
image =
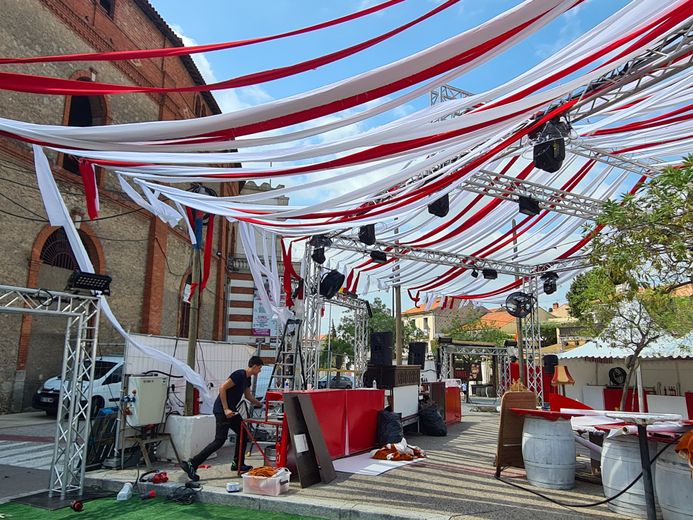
{"points": [[108, 374], [338, 381]]}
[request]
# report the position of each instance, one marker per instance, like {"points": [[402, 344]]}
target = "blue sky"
{"points": [[215, 21]]}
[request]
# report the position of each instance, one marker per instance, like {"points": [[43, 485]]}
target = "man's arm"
{"points": [[250, 397], [226, 385]]}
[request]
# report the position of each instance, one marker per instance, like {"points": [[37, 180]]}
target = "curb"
{"points": [[293, 504]]}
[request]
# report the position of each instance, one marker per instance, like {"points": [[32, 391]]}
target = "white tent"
{"points": [[666, 372], [664, 347]]}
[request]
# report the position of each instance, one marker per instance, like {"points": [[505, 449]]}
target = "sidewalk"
{"points": [[456, 481]]}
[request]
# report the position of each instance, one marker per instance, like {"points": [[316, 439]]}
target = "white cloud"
{"points": [[229, 100]]}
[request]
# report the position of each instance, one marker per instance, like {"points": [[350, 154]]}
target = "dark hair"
{"points": [[255, 361]]}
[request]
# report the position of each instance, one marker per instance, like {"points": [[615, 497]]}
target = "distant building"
{"points": [[501, 320], [436, 320]]}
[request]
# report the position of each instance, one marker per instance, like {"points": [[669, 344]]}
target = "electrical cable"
{"points": [[592, 504], [185, 495]]}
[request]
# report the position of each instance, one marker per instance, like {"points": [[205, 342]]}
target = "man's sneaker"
{"points": [[189, 470], [244, 467]]}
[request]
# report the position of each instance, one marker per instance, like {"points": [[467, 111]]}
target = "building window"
{"points": [[108, 6], [57, 252], [425, 323], [83, 111], [199, 108]]}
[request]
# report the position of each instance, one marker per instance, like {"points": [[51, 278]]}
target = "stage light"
{"points": [[320, 241], [80, 281], [528, 206], [318, 255], [549, 279], [475, 273], [489, 274], [330, 284], [367, 234], [549, 151], [378, 257], [440, 207], [519, 304]]}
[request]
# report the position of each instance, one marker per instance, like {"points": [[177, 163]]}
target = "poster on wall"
{"points": [[263, 324]]}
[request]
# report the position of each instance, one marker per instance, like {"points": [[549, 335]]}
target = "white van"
{"points": [[108, 376]]}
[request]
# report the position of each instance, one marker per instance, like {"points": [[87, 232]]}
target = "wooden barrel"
{"points": [[674, 485], [548, 450], [620, 466]]}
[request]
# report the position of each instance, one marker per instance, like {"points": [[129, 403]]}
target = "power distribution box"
{"points": [[147, 398]]}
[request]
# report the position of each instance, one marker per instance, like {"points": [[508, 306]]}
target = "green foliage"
{"points": [[467, 329], [644, 252]]}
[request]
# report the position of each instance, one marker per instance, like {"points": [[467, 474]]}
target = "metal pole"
{"points": [[646, 472], [329, 347], [641, 393], [518, 321], [398, 325], [192, 325]]}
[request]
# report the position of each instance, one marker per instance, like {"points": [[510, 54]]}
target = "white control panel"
{"points": [[145, 400]]}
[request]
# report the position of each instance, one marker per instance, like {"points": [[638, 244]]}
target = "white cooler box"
{"points": [[271, 486]]}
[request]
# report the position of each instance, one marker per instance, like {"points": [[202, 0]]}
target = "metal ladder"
{"points": [[288, 372]]}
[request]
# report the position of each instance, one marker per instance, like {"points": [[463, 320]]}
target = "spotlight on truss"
{"points": [[440, 207], [378, 257], [367, 234], [489, 274], [549, 278], [80, 281], [528, 206]]}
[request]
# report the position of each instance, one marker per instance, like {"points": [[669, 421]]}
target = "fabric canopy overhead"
{"points": [[397, 168]]}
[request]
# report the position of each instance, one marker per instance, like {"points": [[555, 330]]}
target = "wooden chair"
{"points": [[509, 449]]}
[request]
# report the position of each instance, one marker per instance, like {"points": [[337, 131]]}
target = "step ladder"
{"points": [[288, 372]]}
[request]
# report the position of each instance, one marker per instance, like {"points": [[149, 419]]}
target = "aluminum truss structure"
{"points": [[74, 406], [431, 256], [531, 341], [311, 313], [501, 354]]}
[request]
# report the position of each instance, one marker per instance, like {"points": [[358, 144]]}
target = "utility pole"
{"points": [[518, 321], [194, 313]]}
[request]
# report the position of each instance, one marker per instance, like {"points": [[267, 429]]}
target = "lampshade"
{"points": [[561, 376]]}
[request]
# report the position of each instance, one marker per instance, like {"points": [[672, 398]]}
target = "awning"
{"points": [[664, 347]]}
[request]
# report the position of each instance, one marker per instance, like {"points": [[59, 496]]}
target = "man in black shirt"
{"points": [[227, 417]]}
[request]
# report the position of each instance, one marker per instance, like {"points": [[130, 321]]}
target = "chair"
{"points": [[509, 448]]}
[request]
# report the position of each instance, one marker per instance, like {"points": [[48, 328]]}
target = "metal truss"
{"points": [[501, 354], [74, 408], [667, 58], [313, 305], [431, 256], [531, 341], [510, 188], [639, 167], [448, 93]]}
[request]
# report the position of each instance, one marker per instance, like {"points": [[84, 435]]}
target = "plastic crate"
{"points": [[270, 486]]}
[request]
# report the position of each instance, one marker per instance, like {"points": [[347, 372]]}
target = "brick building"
{"points": [[149, 261]]}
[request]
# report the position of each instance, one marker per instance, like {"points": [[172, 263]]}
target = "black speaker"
{"points": [[417, 353], [550, 362], [381, 348]]}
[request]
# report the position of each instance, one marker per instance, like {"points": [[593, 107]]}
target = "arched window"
{"points": [[57, 251], [108, 6], [83, 111], [199, 107]]}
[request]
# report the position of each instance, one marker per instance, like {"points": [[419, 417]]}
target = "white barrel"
{"points": [[620, 466], [674, 486], [548, 449]]}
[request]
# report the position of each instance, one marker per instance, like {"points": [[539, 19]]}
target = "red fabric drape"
{"points": [[69, 87], [86, 171], [194, 49]]}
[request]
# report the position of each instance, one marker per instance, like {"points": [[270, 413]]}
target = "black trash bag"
{"points": [[431, 423], [389, 427]]}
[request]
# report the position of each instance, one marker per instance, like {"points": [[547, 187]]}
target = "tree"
{"points": [[645, 252]]}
